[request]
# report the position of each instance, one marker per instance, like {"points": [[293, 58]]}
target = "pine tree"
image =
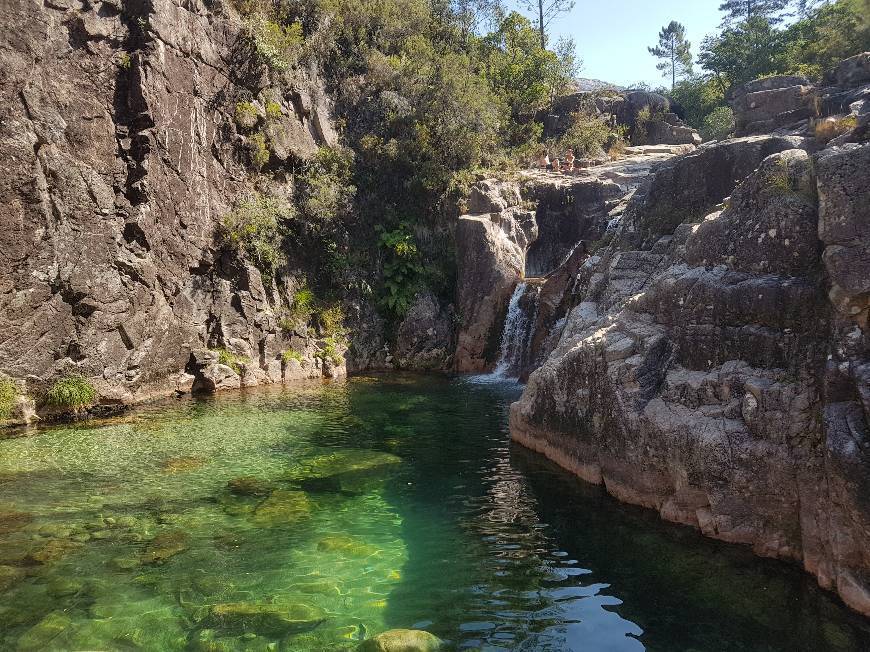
{"points": [[545, 12], [738, 11], [674, 51]]}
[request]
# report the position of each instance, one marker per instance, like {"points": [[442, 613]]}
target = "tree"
{"points": [[674, 51], [546, 11], [738, 11], [742, 53]]}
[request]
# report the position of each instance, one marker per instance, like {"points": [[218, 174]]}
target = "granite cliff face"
{"points": [[119, 158], [713, 361]]}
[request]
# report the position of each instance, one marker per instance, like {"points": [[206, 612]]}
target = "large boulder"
{"points": [[689, 187], [763, 105], [853, 71], [402, 640]]}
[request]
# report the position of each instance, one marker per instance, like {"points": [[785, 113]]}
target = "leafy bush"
{"points": [[588, 135], [777, 180], [332, 320], [71, 392], [7, 398], [235, 362], [330, 351], [273, 110], [278, 45], [402, 270], [718, 124], [326, 192], [246, 115], [259, 150], [291, 354], [255, 227]]}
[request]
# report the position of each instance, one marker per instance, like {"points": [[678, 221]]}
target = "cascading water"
{"points": [[518, 330]]}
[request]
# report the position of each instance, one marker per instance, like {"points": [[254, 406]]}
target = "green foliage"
{"points": [[776, 180], [326, 191], [698, 96], [277, 44], [246, 115], [273, 110], [255, 227], [300, 310], [755, 47], [7, 397], [589, 136], [829, 129], [331, 320], [235, 362], [329, 351], [718, 124], [674, 51], [402, 271], [826, 36], [71, 392], [291, 354], [125, 62], [259, 150]]}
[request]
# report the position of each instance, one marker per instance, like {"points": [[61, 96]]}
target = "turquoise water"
{"points": [[312, 518]]}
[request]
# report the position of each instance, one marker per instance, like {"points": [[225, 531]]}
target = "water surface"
{"points": [[358, 507]]}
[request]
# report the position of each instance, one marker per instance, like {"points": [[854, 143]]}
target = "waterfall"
{"points": [[518, 330]]}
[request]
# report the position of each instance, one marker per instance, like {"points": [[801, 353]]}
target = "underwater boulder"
{"points": [[346, 545], [9, 576], [266, 618], [12, 520], [43, 633], [248, 485], [53, 550], [283, 507], [349, 471], [402, 640], [165, 546]]}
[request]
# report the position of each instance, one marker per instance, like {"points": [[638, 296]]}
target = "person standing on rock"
{"points": [[569, 160], [544, 160]]}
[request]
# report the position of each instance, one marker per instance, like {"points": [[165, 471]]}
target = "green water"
{"points": [[358, 507]]}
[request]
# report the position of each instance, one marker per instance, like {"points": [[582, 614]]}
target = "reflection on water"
{"points": [[312, 518]]}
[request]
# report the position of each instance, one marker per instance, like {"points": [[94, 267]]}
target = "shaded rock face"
{"points": [[425, 339], [716, 368], [491, 250], [766, 104], [118, 164]]}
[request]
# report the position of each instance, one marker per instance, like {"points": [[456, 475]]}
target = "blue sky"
{"points": [[612, 35]]}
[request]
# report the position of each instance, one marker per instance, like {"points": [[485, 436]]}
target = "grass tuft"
{"points": [[71, 392]]}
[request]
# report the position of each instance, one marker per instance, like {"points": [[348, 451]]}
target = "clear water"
{"points": [[368, 505]]}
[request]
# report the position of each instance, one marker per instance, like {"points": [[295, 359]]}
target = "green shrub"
{"points": [[259, 150], [718, 124], [125, 62], [255, 227], [7, 398], [332, 320], [325, 185], [246, 115], [291, 354], [235, 362], [777, 181], [71, 392], [273, 110], [402, 271], [278, 45], [300, 310], [330, 351], [587, 136]]}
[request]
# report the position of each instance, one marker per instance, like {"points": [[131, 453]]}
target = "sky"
{"points": [[612, 35]]}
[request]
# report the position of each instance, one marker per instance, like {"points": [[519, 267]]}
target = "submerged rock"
{"points": [[249, 485], [182, 464], [40, 636], [9, 576], [282, 508], [266, 618], [351, 471], [402, 640], [11, 520], [53, 550], [347, 545], [165, 546]]}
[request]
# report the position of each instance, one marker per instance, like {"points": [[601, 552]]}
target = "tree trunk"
{"points": [[541, 24]]}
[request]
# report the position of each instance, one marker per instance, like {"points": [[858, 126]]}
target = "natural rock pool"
{"points": [[314, 517]]}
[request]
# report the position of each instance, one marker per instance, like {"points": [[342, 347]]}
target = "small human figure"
{"points": [[557, 167], [569, 160], [544, 159]]}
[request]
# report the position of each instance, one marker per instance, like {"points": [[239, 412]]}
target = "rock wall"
{"points": [[712, 364], [119, 157]]}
